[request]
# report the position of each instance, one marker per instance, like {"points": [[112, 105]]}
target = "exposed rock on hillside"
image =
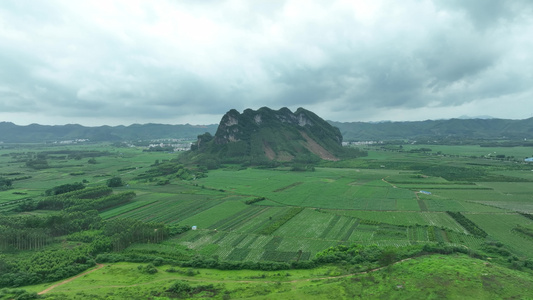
{"points": [[266, 135]]}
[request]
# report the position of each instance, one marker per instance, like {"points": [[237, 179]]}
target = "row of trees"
{"points": [[467, 224], [64, 188], [76, 218]]}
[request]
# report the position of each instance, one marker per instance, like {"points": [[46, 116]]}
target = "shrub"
{"points": [[115, 182]]}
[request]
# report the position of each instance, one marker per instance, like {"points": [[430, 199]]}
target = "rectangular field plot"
{"points": [[307, 224], [434, 204], [123, 209], [506, 193], [467, 240], [510, 191], [266, 216], [374, 195], [250, 247], [310, 232], [171, 211], [325, 188], [363, 232], [405, 218], [446, 204], [208, 217], [526, 174], [487, 207], [249, 219], [500, 227], [510, 206], [409, 204], [417, 234]]}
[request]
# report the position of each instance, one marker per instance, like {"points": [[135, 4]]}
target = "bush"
{"points": [[115, 182], [148, 269]]}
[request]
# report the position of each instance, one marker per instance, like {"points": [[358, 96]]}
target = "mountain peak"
{"points": [[267, 134]]}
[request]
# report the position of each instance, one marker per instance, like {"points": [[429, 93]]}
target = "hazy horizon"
{"points": [[216, 123]]}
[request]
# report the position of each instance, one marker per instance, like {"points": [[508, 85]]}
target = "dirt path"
{"points": [[69, 280]]}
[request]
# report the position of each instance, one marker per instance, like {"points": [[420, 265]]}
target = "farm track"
{"points": [[70, 279]]}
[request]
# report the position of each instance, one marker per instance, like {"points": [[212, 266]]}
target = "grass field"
{"points": [[430, 277]]}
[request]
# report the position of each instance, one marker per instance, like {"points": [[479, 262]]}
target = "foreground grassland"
{"points": [[392, 198], [427, 277]]}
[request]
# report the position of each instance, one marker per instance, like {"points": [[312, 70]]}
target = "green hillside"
{"points": [[258, 137], [437, 129], [426, 277], [35, 133]]}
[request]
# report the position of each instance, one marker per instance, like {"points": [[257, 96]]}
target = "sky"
{"points": [[175, 62]]}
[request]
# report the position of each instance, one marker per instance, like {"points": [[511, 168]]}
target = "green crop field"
{"points": [[500, 227], [389, 199]]}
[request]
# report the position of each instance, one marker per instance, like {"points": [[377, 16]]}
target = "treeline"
{"points": [[76, 219], [354, 256], [254, 200], [64, 188], [94, 236], [524, 230], [77, 211], [44, 266], [205, 262], [529, 216], [30, 232], [79, 197], [467, 224], [124, 232]]}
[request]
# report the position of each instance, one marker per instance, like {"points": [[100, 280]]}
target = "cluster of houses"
{"points": [[361, 143], [176, 146]]}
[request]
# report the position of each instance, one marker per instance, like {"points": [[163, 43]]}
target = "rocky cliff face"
{"points": [[273, 135]]}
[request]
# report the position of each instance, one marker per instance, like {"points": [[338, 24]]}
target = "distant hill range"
{"points": [[259, 136], [439, 129], [350, 131], [11, 133]]}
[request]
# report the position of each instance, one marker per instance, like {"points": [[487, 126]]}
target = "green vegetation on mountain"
{"points": [[449, 131], [445, 131], [266, 136], [35, 133]]}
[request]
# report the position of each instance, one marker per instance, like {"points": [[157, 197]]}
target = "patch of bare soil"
{"points": [[317, 149], [268, 151]]}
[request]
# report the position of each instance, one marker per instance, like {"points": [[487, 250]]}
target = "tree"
{"points": [[5, 184], [115, 182], [387, 257]]}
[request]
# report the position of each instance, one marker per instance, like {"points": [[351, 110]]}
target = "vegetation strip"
{"points": [[467, 224]]}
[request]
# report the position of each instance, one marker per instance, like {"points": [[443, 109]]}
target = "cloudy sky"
{"points": [[175, 62]]}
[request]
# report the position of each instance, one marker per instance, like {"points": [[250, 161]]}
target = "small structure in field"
{"points": [[194, 228], [425, 192]]}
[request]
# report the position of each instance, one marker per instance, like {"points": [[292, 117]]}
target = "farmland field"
{"points": [[388, 199]]}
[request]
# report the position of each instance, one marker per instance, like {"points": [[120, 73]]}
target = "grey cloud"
{"points": [[184, 58], [486, 14]]}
